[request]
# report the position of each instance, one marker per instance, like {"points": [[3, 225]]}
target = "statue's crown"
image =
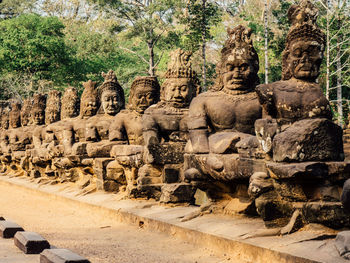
{"points": [[110, 83], [180, 65], [70, 100], [146, 81], [238, 38], [303, 19], [39, 101], [89, 90], [16, 105]]}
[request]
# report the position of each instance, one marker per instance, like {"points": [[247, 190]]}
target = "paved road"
{"points": [[98, 237], [9, 253]]}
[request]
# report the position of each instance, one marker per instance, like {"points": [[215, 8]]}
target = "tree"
{"points": [[12, 8], [199, 18], [336, 22], [147, 20], [34, 47]]}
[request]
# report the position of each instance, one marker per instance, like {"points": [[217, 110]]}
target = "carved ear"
{"points": [[292, 13]]}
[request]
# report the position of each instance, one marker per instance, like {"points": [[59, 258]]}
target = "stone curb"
{"points": [[60, 255], [30, 242], [8, 229]]}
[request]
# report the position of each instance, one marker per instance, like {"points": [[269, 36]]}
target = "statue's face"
{"points": [[239, 72], [179, 91], [15, 123], [305, 59], [89, 107], [38, 117], [111, 102], [143, 98], [25, 120], [5, 123], [53, 116], [70, 111]]}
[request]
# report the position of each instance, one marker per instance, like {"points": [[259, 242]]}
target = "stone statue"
{"points": [[70, 103], [304, 147], [38, 120], [165, 132], [53, 107], [55, 131], [4, 136], [26, 112], [126, 128], [221, 121], [295, 108], [73, 164], [97, 127], [15, 115], [69, 108], [19, 138], [74, 139]]}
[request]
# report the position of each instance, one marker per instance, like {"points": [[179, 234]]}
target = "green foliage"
{"points": [[200, 17], [12, 8], [33, 45]]}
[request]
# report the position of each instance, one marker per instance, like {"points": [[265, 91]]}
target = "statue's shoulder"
{"points": [[153, 108], [270, 87], [203, 97]]}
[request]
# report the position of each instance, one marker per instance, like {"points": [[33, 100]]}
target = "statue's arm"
{"points": [[265, 96], [68, 139], [150, 132], [198, 126], [117, 129]]}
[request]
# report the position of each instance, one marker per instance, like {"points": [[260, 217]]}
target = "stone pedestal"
{"points": [[30, 242]]}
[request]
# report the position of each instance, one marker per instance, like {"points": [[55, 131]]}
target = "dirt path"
{"points": [[95, 236]]}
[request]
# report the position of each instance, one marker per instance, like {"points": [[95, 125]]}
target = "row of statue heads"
{"points": [[108, 98], [236, 74]]}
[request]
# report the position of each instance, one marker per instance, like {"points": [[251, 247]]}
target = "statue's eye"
{"points": [[313, 51], [229, 67], [183, 88], [244, 67], [297, 52]]}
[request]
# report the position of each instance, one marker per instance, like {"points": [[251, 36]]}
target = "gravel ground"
{"points": [[95, 235]]}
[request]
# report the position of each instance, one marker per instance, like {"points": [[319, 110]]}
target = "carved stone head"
{"points": [[303, 54], [143, 93], [26, 112], [38, 109], [53, 107], [111, 94], [70, 103], [5, 118], [4, 114], [89, 100], [181, 84], [238, 69], [15, 115]]}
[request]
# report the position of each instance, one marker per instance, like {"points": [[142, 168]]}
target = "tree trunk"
{"points": [[266, 47], [151, 58], [339, 76], [204, 77], [328, 50]]}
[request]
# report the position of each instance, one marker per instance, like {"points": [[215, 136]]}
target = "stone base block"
{"points": [[177, 193], [146, 191], [8, 229], [59, 255], [30, 242]]}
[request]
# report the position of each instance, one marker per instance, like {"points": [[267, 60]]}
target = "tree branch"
{"points": [[160, 58], [135, 53]]}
